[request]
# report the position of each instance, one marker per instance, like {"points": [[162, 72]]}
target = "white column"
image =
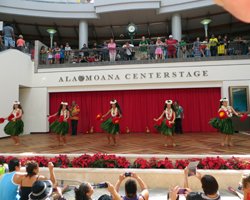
{"points": [[83, 33], [176, 26]]}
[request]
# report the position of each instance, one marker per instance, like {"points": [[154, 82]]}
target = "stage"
{"points": [[133, 143]]}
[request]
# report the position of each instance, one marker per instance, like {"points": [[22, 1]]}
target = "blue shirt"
{"points": [[8, 189]]}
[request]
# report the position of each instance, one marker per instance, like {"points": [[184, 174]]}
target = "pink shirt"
{"points": [[20, 42], [112, 47]]}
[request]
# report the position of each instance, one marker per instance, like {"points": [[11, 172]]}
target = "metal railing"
{"points": [[62, 1], [149, 52]]}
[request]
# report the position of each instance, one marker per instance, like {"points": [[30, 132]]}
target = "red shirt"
{"points": [[171, 44]]}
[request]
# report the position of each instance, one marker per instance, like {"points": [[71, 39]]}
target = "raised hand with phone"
{"points": [[131, 186]]}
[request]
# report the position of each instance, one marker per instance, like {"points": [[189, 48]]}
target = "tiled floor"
{"points": [[134, 143]]}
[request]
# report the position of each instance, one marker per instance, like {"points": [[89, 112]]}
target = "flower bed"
{"points": [[100, 160]]}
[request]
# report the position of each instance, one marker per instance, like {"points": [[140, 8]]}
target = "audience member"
{"points": [[10, 181], [112, 50], [183, 49], [20, 43], [62, 54], [131, 187], [209, 186], [9, 36], [67, 51], [41, 190], [32, 176], [158, 51], [143, 47], [197, 48], [246, 187], [213, 42], [43, 55], [128, 50], [85, 191], [151, 49], [171, 46], [221, 46]]}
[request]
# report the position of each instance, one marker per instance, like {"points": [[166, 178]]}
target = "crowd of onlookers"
{"points": [[32, 186], [147, 49]]}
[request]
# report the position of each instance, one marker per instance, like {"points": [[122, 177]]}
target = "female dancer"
{"points": [[111, 125], [165, 126], [15, 125], [61, 125], [224, 123]]}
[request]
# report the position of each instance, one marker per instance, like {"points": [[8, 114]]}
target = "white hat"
{"points": [[169, 101], [224, 99], [170, 36], [113, 102], [16, 102], [64, 103]]}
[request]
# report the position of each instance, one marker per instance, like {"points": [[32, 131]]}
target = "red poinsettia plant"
{"points": [[100, 160]]}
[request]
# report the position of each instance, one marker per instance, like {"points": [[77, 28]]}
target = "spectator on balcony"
{"points": [[85, 191], [151, 49], [67, 51], [9, 182], [183, 49], [206, 47], [128, 50], [62, 54], [221, 46], [158, 51], [197, 48], [209, 185], [9, 36], [131, 187], [32, 176], [43, 55], [57, 55], [112, 50], [213, 42], [226, 42], [105, 51], [50, 56], [143, 48], [85, 50], [171, 46], [20, 43], [246, 187]]}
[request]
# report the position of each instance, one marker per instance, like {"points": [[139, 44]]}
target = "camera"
{"points": [[127, 174], [101, 185], [182, 191]]}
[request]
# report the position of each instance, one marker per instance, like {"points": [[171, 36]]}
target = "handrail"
{"points": [[63, 1]]}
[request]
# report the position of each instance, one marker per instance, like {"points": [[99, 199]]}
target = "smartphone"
{"points": [[182, 191], [102, 185], [192, 166], [127, 174]]}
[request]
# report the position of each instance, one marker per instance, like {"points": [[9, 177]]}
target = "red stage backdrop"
{"points": [[139, 107]]}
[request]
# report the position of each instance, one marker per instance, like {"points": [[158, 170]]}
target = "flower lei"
{"points": [[64, 113], [228, 110], [169, 113], [114, 112]]}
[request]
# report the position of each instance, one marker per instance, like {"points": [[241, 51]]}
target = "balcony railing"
{"points": [[62, 1], [128, 54]]}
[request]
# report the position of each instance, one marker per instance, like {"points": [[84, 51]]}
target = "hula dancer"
{"points": [[61, 125], [15, 125], [111, 125], [166, 126], [224, 122]]}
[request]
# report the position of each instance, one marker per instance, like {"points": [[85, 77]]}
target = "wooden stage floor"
{"points": [[134, 143]]}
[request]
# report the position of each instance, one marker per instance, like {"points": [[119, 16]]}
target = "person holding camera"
{"points": [[86, 190], [131, 187]]}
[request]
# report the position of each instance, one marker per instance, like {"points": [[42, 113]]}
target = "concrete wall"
{"points": [[18, 81]]}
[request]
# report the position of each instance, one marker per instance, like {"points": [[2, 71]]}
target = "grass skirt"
{"points": [[164, 129], [61, 128], [14, 128], [225, 126], [109, 127]]}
